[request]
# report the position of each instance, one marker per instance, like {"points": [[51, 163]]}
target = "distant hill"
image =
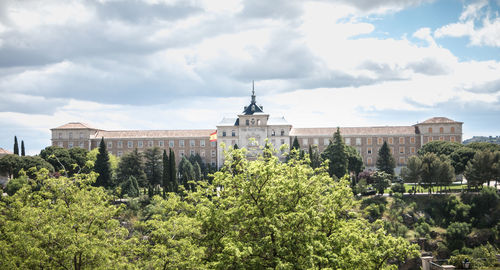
{"points": [[489, 139]]}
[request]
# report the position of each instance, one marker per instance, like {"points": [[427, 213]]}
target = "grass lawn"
{"points": [[453, 187]]}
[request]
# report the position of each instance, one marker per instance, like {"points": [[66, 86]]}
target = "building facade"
{"points": [[251, 128]]}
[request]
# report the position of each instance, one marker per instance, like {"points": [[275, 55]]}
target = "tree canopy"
{"points": [[336, 153], [385, 160]]}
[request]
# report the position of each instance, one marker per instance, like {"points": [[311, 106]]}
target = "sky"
{"points": [[186, 64]]}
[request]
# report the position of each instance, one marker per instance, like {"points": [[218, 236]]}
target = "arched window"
{"points": [[430, 130], [441, 130], [258, 122]]}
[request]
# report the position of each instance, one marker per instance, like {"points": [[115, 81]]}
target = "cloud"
{"points": [[477, 22]]}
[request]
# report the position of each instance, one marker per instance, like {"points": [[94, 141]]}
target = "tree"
{"points": [[16, 146], [446, 172], [174, 184], [412, 173], [314, 156], [385, 161], [23, 152], [102, 167], [460, 158], [153, 168], [355, 161], [130, 187], [484, 146], [440, 148], [12, 164], [295, 151], [59, 158], [456, 233], [431, 169], [287, 215], [131, 164], [295, 144], [165, 175], [62, 223], [79, 159], [336, 153], [480, 169], [381, 181], [186, 172]]}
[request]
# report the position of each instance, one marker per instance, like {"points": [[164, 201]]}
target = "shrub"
{"points": [[16, 184], [456, 233], [423, 230], [398, 188]]}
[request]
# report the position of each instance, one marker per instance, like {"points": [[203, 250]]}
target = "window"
{"points": [[191, 143], [247, 122], [441, 138], [81, 135], [171, 144], [213, 144], [401, 160], [130, 144], [82, 145], [429, 139], [110, 145], [213, 153], [305, 141], [316, 141], [326, 141], [233, 133], [119, 144], [348, 141], [70, 145], [401, 150], [430, 130], [391, 150], [202, 143], [412, 150], [369, 150], [358, 141], [273, 133], [441, 130], [60, 144], [181, 153], [202, 153], [452, 130], [191, 152], [150, 143], [119, 153], [369, 161], [161, 143], [60, 135], [412, 140], [213, 163], [369, 141], [140, 144], [390, 140], [224, 133], [380, 141], [181, 143], [282, 141], [258, 122], [401, 140], [70, 135], [282, 132], [452, 138]]}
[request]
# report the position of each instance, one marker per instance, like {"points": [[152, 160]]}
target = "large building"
{"points": [[252, 127]]}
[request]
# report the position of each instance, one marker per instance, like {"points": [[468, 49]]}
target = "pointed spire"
{"points": [[253, 92]]}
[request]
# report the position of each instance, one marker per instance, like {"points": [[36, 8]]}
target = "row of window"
{"points": [[401, 161], [70, 135], [181, 154], [149, 144], [441, 138], [369, 150], [358, 141], [441, 130]]}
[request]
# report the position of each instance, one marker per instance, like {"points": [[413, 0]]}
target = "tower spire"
{"points": [[253, 92]]}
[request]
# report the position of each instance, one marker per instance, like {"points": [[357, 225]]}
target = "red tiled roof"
{"points": [[438, 120], [154, 133], [346, 131], [74, 125], [4, 152]]}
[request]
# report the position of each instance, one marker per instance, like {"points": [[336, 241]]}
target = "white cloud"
{"points": [[477, 22]]}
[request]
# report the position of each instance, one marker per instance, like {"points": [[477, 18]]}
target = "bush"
{"points": [[456, 233], [423, 230], [16, 184], [398, 188]]}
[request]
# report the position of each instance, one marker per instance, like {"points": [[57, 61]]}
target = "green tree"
{"points": [[440, 148], [131, 164], [446, 172], [484, 146], [59, 158], [480, 169], [165, 175], [295, 144], [130, 187], [153, 168], [174, 184], [431, 170], [286, 215], [456, 234], [412, 173], [16, 184], [336, 153], [16, 146], [385, 160], [186, 172], [381, 181], [12, 164], [314, 156], [79, 159], [102, 167], [460, 158], [23, 152], [355, 161]]}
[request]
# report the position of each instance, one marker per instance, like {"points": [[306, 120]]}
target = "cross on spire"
{"points": [[253, 92]]}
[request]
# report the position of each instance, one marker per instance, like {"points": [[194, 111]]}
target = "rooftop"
{"points": [[193, 133], [346, 131], [4, 152], [74, 125], [439, 120]]}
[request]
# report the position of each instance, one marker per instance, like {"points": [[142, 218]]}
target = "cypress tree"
{"points": [[165, 174], [152, 168], [336, 152], [16, 146], [102, 167], [173, 172], [385, 161], [295, 144], [23, 153]]}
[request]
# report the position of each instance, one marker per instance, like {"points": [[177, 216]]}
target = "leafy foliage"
{"points": [[336, 153], [102, 167], [385, 160]]}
